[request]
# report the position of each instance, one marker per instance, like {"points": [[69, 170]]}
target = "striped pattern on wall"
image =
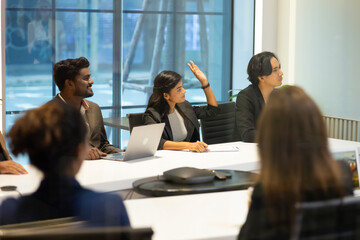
{"points": [[341, 128]]}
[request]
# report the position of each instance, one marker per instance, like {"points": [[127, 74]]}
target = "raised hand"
{"points": [[198, 73]]}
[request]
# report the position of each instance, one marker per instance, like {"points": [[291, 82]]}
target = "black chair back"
{"points": [[220, 128], [336, 219], [135, 119], [66, 228]]}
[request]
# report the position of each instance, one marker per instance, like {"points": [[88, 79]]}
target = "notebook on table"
{"points": [[144, 141]]}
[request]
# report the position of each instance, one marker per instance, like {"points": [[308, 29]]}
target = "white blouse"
{"points": [[177, 126]]}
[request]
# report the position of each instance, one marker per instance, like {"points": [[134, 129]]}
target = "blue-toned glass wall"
{"points": [[125, 50], [165, 35]]}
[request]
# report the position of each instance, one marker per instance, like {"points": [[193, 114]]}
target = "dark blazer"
{"points": [[249, 104], [3, 149], [97, 132], [59, 197], [191, 115]]}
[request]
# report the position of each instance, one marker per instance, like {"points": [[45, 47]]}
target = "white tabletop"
{"points": [[106, 175], [199, 216], [202, 216]]}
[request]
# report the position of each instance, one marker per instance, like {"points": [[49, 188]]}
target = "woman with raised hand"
{"points": [[167, 104], [296, 165], [55, 138]]}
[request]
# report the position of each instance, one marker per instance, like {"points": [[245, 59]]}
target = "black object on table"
{"points": [[158, 186]]}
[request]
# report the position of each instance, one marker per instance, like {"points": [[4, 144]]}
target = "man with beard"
{"points": [[73, 78]]}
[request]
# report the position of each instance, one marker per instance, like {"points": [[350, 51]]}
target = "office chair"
{"points": [[135, 119], [328, 220], [220, 128], [66, 228]]}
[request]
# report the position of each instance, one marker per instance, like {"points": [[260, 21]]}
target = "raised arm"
{"points": [[210, 97]]}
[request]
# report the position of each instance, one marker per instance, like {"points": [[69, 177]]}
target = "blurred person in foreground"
{"points": [[296, 165], [55, 138]]}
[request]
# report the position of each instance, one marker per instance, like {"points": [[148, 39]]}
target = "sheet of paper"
{"points": [[220, 148]]}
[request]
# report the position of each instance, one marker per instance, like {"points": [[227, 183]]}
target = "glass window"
{"points": [[128, 42], [26, 4], [185, 5], [165, 35], [85, 4], [36, 39]]}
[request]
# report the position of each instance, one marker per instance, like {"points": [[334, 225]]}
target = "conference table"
{"points": [[199, 216], [107, 175]]}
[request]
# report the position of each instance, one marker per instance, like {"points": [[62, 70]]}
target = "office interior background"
{"points": [[129, 41]]}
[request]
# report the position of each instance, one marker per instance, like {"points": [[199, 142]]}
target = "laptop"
{"points": [[144, 141], [351, 156]]}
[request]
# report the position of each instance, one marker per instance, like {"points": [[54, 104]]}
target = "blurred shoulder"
{"points": [[8, 211]]}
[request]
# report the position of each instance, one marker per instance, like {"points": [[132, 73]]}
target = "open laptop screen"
{"points": [[350, 156]]}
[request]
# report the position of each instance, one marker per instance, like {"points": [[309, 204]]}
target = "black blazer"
{"points": [[191, 115], [3, 151], [249, 104]]}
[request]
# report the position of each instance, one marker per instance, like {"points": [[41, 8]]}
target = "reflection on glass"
{"points": [[25, 3], [155, 35], [29, 43], [188, 5], [89, 4], [40, 34], [161, 35]]}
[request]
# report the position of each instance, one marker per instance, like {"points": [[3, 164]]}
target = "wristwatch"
{"points": [[206, 86]]}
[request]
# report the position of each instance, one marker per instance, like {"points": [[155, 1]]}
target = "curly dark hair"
{"points": [[68, 69], [260, 65], [50, 135]]}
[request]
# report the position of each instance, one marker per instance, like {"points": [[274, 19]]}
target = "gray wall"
{"points": [[324, 51]]}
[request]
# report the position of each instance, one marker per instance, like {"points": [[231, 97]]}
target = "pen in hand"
{"points": [[203, 146], [196, 147]]}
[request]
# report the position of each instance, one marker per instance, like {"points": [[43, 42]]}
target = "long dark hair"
{"points": [[295, 160], [163, 83]]}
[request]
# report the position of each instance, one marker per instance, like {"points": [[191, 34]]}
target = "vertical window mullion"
{"points": [[53, 31], [117, 62]]}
